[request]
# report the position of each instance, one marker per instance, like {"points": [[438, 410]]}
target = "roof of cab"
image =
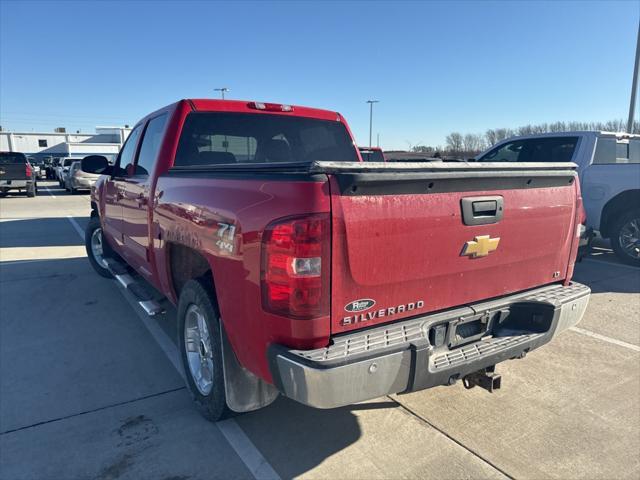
{"points": [[243, 106]]}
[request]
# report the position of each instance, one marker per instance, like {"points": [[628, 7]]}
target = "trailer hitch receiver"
{"points": [[486, 378]]}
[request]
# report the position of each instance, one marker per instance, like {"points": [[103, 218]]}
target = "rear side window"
{"points": [[8, 158], [214, 138], [609, 150], [549, 149], [151, 145]]}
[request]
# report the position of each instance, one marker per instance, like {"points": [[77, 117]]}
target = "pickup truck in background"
{"points": [[609, 171], [371, 154], [298, 269], [16, 173]]}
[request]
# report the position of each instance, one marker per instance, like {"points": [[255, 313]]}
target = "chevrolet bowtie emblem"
{"points": [[480, 246]]}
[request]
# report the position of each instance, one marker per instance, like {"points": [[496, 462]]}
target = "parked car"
{"points": [[609, 171], [76, 179], [63, 169], [39, 167], [371, 154], [17, 174], [298, 269]]}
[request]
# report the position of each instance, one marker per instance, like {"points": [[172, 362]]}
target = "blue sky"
{"points": [[435, 66]]}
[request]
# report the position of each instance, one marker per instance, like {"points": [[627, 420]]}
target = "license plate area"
{"points": [[519, 318], [469, 329]]}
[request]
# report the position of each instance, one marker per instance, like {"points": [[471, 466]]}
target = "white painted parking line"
{"points": [[241, 444], [604, 338], [49, 192], [252, 458], [77, 226]]}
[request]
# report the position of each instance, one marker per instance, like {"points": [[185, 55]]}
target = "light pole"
{"points": [[222, 90], [634, 85], [371, 102]]}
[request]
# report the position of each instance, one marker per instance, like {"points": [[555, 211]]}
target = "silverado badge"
{"points": [[480, 246]]}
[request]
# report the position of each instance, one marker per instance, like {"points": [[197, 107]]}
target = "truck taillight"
{"points": [[28, 170], [295, 266]]}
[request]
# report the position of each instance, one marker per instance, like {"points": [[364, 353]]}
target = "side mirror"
{"points": [[95, 164]]}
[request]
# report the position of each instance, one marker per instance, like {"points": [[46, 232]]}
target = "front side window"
{"points": [[547, 149], [128, 151], [215, 138], [150, 147]]}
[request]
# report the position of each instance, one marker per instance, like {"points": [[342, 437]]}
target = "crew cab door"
{"points": [[135, 192], [112, 192]]}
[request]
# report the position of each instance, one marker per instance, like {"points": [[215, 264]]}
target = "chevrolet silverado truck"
{"points": [[609, 172], [16, 173], [299, 269]]}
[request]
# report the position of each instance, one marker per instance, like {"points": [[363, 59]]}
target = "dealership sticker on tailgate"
{"points": [[359, 305]]}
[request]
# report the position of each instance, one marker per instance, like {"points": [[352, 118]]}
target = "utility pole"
{"points": [[222, 90], [378, 141], [371, 102], [634, 85]]}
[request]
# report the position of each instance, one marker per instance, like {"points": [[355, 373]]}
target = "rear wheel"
{"points": [[201, 348], [97, 249], [625, 237]]}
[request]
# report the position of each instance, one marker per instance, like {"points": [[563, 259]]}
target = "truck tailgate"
{"points": [[406, 243], [13, 171]]}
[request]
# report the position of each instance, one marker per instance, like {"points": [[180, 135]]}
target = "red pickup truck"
{"points": [[298, 269]]}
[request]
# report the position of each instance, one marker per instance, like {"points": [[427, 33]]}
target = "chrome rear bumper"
{"points": [[412, 355]]}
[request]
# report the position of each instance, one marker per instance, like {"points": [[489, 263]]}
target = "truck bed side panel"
{"points": [[189, 211]]}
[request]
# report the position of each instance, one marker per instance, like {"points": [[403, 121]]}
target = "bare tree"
{"points": [[472, 143], [454, 142]]}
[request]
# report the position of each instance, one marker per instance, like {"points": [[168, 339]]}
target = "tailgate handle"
{"points": [[488, 207], [482, 210]]}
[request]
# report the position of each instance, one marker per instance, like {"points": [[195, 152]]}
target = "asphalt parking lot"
{"points": [[91, 388]]}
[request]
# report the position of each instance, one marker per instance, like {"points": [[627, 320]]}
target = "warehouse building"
{"points": [[106, 141]]}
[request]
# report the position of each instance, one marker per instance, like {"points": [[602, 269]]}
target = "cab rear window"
{"points": [[213, 138], [8, 158]]}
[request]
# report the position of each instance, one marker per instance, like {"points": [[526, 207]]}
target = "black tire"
{"points": [[94, 224], [31, 190], [74, 191], [616, 233], [199, 292]]}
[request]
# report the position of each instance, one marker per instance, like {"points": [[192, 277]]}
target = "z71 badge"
{"points": [[226, 237]]}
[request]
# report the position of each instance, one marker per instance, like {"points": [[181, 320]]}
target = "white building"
{"points": [[106, 141]]}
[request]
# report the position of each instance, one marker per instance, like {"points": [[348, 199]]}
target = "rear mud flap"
{"points": [[245, 391]]}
